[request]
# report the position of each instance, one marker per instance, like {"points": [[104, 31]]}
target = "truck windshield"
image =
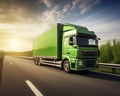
{"points": [[87, 41]]}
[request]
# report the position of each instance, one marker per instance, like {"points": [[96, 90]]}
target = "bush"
{"points": [[110, 52], [116, 51]]}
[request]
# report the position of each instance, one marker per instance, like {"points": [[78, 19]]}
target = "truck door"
{"points": [[69, 48]]}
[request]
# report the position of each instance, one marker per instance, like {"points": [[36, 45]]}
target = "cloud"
{"points": [[54, 16], [66, 8], [85, 5], [12, 11], [27, 19], [82, 5], [105, 28], [48, 3]]}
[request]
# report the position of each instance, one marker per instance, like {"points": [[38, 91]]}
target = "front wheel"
{"points": [[66, 66]]}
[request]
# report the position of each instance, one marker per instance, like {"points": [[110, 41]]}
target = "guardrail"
{"points": [[112, 66]]}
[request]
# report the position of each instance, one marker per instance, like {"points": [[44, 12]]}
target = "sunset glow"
{"points": [[15, 45]]}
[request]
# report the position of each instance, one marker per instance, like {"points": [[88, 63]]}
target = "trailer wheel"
{"points": [[66, 66], [39, 62], [36, 61]]}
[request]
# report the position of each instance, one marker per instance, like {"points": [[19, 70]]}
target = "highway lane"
{"points": [[52, 81]]}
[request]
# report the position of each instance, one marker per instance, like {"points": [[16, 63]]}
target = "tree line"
{"points": [[24, 53], [110, 52]]}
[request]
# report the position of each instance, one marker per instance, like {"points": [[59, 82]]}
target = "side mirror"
{"points": [[98, 38]]}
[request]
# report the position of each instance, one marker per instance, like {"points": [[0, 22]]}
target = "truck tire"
{"points": [[36, 61], [66, 66], [39, 62]]}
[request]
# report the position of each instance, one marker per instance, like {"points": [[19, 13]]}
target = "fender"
{"points": [[64, 57]]}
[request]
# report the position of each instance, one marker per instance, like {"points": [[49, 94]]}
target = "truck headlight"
{"points": [[80, 63]]}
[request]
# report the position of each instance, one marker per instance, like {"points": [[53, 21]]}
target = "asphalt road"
{"points": [[18, 74]]}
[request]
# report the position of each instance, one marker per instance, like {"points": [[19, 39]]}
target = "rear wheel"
{"points": [[36, 61], [66, 66], [39, 62]]}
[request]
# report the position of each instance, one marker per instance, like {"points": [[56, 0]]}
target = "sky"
{"points": [[21, 21]]}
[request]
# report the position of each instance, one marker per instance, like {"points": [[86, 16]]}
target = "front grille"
{"points": [[89, 53], [89, 63]]}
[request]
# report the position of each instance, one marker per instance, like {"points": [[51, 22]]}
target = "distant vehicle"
{"points": [[71, 46]]}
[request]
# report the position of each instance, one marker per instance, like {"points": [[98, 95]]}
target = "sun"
{"points": [[15, 44]]}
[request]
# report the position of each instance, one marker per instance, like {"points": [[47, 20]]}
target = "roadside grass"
{"points": [[108, 70]]}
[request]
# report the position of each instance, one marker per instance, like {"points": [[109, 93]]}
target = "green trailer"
{"points": [[71, 46]]}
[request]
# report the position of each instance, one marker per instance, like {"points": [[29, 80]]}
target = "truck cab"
{"points": [[79, 48]]}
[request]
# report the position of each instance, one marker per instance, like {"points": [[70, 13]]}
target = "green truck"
{"points": [[71, 46]]}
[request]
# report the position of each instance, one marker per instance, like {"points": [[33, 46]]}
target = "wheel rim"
{"points": [[39, 63], [36, 62], [66, 67]]}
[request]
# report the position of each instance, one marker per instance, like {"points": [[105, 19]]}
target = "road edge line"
{"points": [[33, 88]]}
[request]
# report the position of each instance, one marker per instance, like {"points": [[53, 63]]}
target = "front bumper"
{"points": [[84, 64]]}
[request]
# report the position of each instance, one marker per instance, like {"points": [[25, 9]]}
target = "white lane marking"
{"points": [[33, 88]]}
